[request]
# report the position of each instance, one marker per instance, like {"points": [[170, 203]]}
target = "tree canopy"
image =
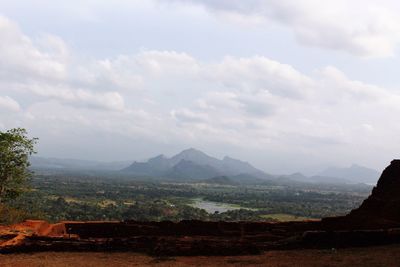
{"points": [[15, 149]]}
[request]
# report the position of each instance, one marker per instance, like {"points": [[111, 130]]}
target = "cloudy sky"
{"points": [[287, 85]]}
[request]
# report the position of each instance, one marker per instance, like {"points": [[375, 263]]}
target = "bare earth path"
{"points": [[365, 257]]}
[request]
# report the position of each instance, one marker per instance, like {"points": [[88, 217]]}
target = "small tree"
{"points": [[15, 149]]}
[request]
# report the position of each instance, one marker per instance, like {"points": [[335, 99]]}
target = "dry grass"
{"points": [[366, 257], [10, 215], [285, 217]]}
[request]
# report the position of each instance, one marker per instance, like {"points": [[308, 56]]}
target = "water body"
{"points": [[212, 207]]}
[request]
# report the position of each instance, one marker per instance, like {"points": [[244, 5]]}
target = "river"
{"points": [[212, 207]]}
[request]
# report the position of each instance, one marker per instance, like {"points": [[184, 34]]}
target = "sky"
{"points": [[286, 85]]}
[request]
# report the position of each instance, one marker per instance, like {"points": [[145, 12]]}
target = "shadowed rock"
{"points": [[384, 202], [380, 210]]}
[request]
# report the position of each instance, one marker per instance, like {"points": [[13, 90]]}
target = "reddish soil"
{"points": [[388, 256]]}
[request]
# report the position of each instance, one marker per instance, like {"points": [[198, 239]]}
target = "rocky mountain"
{"points": [[189, 170], [156, 166], [193, 164], [237, 167], [353, 174]]}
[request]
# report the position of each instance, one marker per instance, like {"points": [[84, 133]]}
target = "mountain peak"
{"points": [[192, 154], [191, 151]]}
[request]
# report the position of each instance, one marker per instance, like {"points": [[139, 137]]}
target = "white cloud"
{"points": [[80, 97], [21, 59], [363, 28], [256, 74], [166, 62], [45, 68], [109, 74], [172, 98], [187, 116], [9, 104], [330, 115]]}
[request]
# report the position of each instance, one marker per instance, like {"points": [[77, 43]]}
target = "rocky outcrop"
{"points": [[380, 210], [384, 202]]}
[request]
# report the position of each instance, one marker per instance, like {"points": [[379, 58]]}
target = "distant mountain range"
{"points": [[355, 173], [196, 166], [76, 164], [351, 175], [193, 164], [316, 179]]}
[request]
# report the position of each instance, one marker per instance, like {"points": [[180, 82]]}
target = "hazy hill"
{"points": [[189, 170], [353, 174], [299, 177], [156, 166], [193, 164], [75, 164]]}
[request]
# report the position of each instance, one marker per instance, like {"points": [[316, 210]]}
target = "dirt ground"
{"points": [[375, 256]]}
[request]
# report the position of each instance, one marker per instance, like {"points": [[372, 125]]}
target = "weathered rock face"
{"points": [[383, 205], [380, 210]]}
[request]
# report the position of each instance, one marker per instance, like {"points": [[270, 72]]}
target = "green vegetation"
{"points": [[15, 148], [58, 197]]}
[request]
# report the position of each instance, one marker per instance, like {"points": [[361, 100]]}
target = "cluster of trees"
{"points": [[15, 149]]}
